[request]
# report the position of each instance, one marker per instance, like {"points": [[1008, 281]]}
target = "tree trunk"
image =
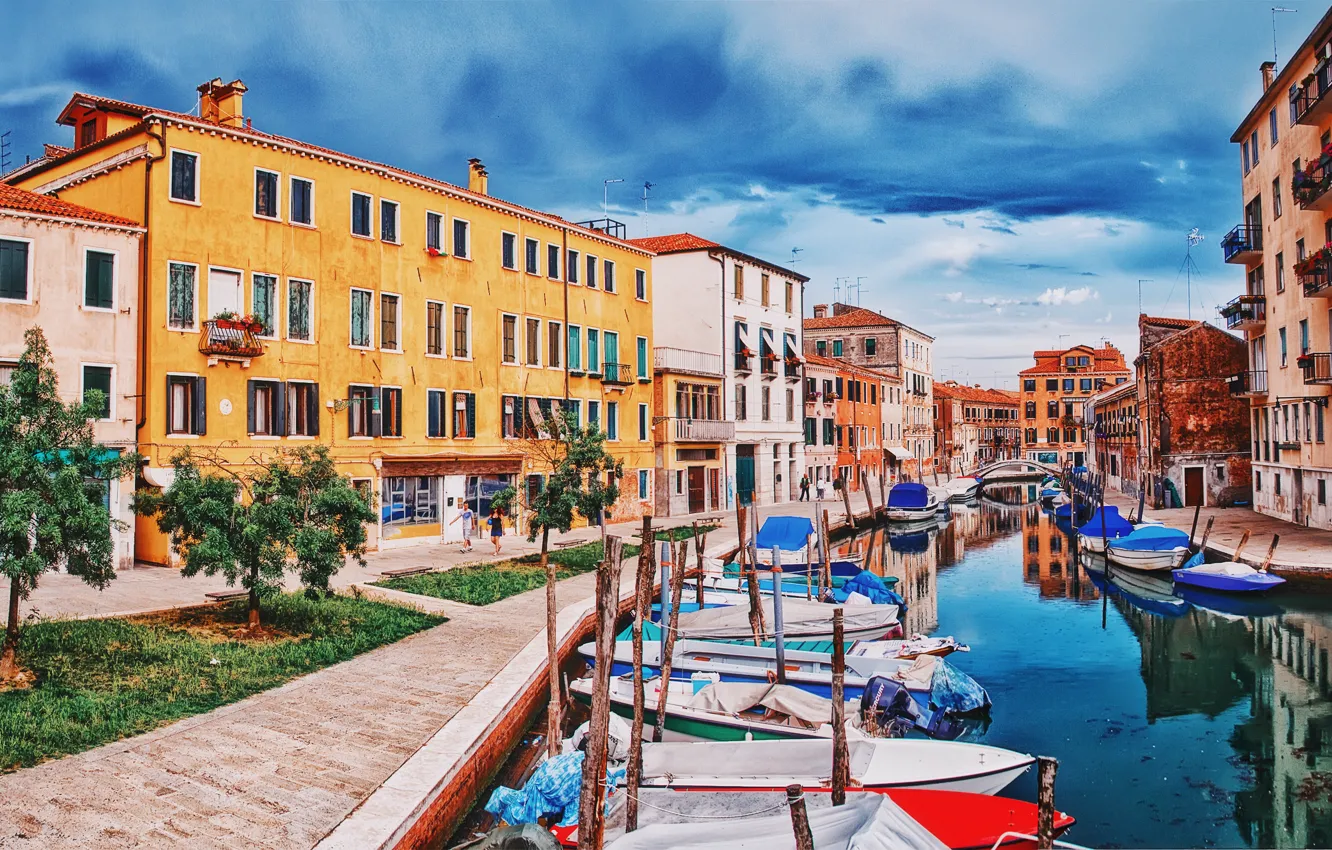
{"points": [[254, 598], [552, 651], [642, 609], [669, 619], [591, 807], [8, 665]]}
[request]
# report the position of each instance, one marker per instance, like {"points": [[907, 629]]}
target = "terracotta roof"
{"points": [[954, 390], [1166, 322], [675, 243], [844, 366], [856, 317], [14, 198]]}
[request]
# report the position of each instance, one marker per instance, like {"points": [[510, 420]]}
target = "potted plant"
{"points": [[1305, 361], [434, 252]]}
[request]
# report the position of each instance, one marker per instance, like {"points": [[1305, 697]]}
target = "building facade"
{"points": [[746, 311], [950, 430], [1112, 436], [691, 431], [857, 417], [74, 273], [1053, 394], [820, 420], [420, 330], [974, 426], [1284, 246]]}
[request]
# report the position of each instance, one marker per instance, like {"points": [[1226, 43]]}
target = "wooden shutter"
{"points": [[432, 413], [201, 406], [249, 407], [312, 410], [13, 270], [280, 408], [471, 415]]}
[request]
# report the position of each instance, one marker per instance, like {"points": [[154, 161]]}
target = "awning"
{"points": [[899, 452], [159, 476], [435, 465]]}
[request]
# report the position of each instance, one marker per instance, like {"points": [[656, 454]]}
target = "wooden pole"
{"points": [[592, 811], [1267, 559], [668, 627], [869, 500], [846, 500], [751, 577], [668, 570], [1197, 509], [1244, 541], [698, 551], [883, 488], [809, 566], [777, 624], [1207, 532], [553, 735], [1045, 810], [823, 550], [841, 771], [1142, 496], [642, 609], [795, 801]]}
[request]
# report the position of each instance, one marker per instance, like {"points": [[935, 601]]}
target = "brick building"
{"points": [[820, 422], [1054, 392], [1112, 436], [974, 426], [857, 394]]}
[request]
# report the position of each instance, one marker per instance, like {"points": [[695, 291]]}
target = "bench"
{"points": [[406, 571], [565, 544], [227, 595]]}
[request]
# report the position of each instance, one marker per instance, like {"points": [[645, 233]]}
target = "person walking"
{"points": [[468, 520], [496, 528], [804, 488]]}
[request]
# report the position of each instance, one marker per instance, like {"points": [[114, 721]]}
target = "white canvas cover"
{"points": [[806, 761], [735, 697], [800, 618]]}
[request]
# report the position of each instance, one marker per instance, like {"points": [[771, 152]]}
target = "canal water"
{"points": [[1176, 723]]}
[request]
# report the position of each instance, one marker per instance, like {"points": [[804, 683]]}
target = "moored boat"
{"points": [[1227, 577], [1105, 524], [1150, 548], [962, 489], [910, 501]]}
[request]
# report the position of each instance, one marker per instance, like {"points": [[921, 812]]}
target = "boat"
{"points": [[802, 620], [1226, 577], [1152, 548], [876, 764], [1230, 605], [1053, 495], [1105, 524], [1148, 592], [966, 821], [962, 489], [909, 501]]}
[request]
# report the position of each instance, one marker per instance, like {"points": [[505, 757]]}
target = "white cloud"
{"points": [[1057, 296], [953, 297]]}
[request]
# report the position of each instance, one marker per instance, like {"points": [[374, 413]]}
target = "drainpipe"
{"points": [[144, 277]]}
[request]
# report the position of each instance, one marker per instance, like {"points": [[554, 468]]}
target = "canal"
{"points": [[1177, 723]]}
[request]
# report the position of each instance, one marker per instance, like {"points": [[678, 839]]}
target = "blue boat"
{"points": [[1105, 524], [1230, 604], [910, 501], [1150, 547], [1143, 599], [1227, 577]]}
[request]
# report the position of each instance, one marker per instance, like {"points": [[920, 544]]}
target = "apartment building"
{"points": [[746, 311], [856, 394], [1284, 245], [74, 272], [950, 432], [293, 294], [1053, 394], [1112, 436], [820, 420], [974, 426]]}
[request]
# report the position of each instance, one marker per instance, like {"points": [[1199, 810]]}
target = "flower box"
{"points": [[434, 252]]}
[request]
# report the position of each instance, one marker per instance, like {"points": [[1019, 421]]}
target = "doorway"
{"points": [[1194, 489], [744, 474], [714, 488], [696, 492]]}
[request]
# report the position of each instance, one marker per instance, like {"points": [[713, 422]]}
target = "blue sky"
{"points": [[999, 174]]}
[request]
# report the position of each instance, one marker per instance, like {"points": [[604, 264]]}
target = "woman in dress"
{"points": [[496, 528]]}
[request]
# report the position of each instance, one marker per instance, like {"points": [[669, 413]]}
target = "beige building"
{"points": [[74, 273], [1283, 247]]}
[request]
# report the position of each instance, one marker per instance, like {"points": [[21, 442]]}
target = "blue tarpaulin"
{"points": [[552, 791], [1115, 525], [788, 533], [908, 495], [1153, 538], [868, 584]]}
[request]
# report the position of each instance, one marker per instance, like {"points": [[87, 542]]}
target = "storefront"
{"points": [[421, 497]]}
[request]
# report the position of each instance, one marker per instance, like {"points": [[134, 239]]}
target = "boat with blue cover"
{"points": [[1227, 577], [910, 501], [1105, 524], [1152, 548]]}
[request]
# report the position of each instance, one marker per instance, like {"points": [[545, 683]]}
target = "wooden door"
{"points": [[697, 503], [1193, 486]]}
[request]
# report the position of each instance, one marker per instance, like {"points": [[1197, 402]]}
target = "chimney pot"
{"points": [[1268, 70], [820, 311], [478, 179], [221, 102]]}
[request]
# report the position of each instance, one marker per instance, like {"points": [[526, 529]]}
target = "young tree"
{"points": [[292, 509], [53, 478], [576, 464]]}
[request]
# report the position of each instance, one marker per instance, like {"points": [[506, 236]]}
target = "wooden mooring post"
{"points": [[777, 624], [1197, 510], [642, 610], [669, 623], [841, 766], [795, 801], [699, 541], [1271, 550], [555, 704], [846, 500], [1045, 802], [1207, 532], [826, 581], [591, 811], [750, 575]]}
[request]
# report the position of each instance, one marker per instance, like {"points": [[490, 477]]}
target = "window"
{"points": [[1272, 125], [464, 415], [790, 297], [263, 302], [594, 415], [610, 348], [612, 420], [1029, 385], [533, 341], [608, 276], [1304, 336], [88, 132], [99, 378], [1244, 148], [462, 239], [1299, 250], [1282, 335], [185, 177], [642, 483], [1084, 385], [410, 500], [553, 262], [186, 404], [361, 421], [99, 280], [765, 410], [390, 411], [1253, 147], [640, 284], [462, 332], [821, 347], [1322, 491], [1258, 481], [182, 286], [1256, 278], [388, 221], [437, 413], [435, 328], [741, 402], [554, 336], [871, 346], [302, 409], [1031, 410], [298, 309], [591, 272], [532, 256], [739, 282], [763, 289], [810, 433], [593, 350], [435, 232], [1052, 385], [360, 214], [509, 250], [362, 314], [1068, 385], [1276, 198], [301, 204], [265, 415], [265, 193], [571, 266], [509, 339], [390, 319], [837, 348], [14, 270], [642, 423], [575, 348], [642, 353], [790, 405]]}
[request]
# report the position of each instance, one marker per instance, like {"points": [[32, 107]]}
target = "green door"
{"points": [[744, 479]]}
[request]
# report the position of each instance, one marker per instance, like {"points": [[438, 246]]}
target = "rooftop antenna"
{"points": [[858, 289], [837, 288], [1141, 281], [794, 258], [1275, 10], [1189, 267], [1060, 343], [605, 195], [646, 187], [4, 151]]}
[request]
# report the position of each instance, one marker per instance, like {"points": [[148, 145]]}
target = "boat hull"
{"points": [[1147, 560], [912, 514], [1255, 583], [974, 821]]}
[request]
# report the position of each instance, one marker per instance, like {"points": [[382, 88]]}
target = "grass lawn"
{"points": [[102, 680], [483, 584]]}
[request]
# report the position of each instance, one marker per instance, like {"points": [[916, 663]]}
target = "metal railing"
{"points": [[617, 373], [1245, 310], [230, 338], [703, 430], [1309, 186], [1317, 368], [1251, 382], [686, 360], [609, 226], [744, 362], [1315, 276], [1240, 241], [1311, 97]]}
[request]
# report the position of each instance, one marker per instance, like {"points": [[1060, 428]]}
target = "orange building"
{"points": [[1054, 392], [857, 418]]}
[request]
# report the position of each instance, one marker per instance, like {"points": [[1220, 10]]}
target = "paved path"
{"points": [[280, 769]]}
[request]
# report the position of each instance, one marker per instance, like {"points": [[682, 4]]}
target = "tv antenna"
{"points": [[1189, 267], [1275, 10], [646, 187], [605, 195], [1141, 281], [837, 288], [857, 286], [794, 258], [4, 151]]}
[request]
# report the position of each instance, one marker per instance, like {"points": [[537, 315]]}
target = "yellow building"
{"points": [[417, 328]]}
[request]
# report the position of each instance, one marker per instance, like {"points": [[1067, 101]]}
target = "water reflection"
{"points": [[1180, 719]]}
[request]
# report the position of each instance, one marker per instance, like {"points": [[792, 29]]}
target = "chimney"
{"points": [[221, 102], [820, 311], [1268, 70], [478, 179]]}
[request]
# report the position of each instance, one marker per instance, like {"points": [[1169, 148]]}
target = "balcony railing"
{"points": [[686, 360], [1309, 185], [1311, 100], [744, 360], [703, 431], [619, 374], [792, 370], [231, 338], [609, 226], [1252, 382], [1247, 312], [1243, 244], [768, 364], [1315, 273], [1317, 368]]}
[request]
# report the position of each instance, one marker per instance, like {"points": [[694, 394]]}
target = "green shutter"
{"points": [[471, 415], [13, 270], [98, 280]]}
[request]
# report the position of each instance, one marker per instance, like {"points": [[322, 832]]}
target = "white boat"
{"points": [[1152, 548], [801, 620], [909, 501], [962, 489], [876, 763]]}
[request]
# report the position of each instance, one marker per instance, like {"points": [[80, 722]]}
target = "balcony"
{"points": [[608, 226], [1246, 313], [1317, 368], [1309, 186], [744, 360], [1250, 383], [703, 431], [617, 374], [792, 370], [686, 361], [1311, 100], [1315, 273], [768, 365], [231, 339], [1244, 244]]}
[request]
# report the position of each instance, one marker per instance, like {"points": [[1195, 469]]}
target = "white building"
{"points": [[715, 300]]}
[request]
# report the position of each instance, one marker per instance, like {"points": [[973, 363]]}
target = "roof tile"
{"points": [[14, 198], [675, 243]]}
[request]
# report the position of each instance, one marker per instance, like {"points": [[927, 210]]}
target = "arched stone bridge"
{"points": [[1018, 465]]}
